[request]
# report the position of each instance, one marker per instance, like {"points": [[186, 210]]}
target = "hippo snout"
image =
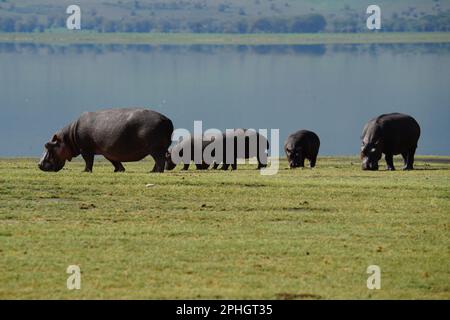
{"points": [[44, 166], [293, 164], [369, 165], [48, 167]]}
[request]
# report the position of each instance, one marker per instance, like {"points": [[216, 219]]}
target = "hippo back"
{"points": [[396, 131]]}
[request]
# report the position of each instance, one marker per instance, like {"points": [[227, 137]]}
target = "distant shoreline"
{"points": [[71, 37]]}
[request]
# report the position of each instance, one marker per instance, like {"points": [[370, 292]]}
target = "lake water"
{"points": [[332, 90]]}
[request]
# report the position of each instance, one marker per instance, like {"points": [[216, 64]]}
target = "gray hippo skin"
{"points": [[391, 134], [249, 136], [183, 145], [302, 145], [120, 135]]}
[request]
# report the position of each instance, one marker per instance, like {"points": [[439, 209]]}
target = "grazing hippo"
{"points": [[120, 135], [191, 143], [253, 142], [302, 145], [391, 134]]}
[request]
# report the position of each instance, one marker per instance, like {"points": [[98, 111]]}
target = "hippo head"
{"points": [[370, 155], [55, 155], [170, 165], [294, 156]]}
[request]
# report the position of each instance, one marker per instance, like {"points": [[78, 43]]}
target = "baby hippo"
{"points": [[302, 145], [188, 144]]}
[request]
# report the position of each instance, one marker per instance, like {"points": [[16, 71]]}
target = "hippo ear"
{"points": [[53, 143], [50, 145]]}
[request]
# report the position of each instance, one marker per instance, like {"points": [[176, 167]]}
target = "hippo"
{"points": [[302, 145], [188, 143], [120, 135], [249, 137], [391, 134]]}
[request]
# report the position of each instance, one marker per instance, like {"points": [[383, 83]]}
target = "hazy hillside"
{"points": [[238, 16]]}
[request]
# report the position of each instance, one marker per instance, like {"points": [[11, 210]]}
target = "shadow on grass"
{"points": [[431, 169], [298, 296]]}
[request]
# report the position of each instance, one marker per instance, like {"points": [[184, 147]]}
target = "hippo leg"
{"points": [[312, 162], [260, 163], [302, 162], [89, 159], [160, 162], [186, 167], [410, 159], [390, 161], [203, 166], [118, 167], [405, 159], [215, 165], [234, 164]]}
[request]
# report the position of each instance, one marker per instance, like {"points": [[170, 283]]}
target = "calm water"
{"points": [[332, 90]]}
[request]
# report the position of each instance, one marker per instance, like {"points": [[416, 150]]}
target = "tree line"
{"points": [[309, 23]]}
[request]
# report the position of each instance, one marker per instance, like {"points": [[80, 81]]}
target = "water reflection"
{"points": [[317, 50], [331, 89]]}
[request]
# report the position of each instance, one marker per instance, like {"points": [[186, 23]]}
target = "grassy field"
{"points": [[299, 234], [65, 37]]}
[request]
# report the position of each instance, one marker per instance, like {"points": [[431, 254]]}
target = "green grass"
{"points": [[301, 233], [64, 37]]}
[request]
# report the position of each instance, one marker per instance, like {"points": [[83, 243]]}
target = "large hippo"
{"points": [[254, 145], [391, 134], [302, 145], [120, 135], [190, 143]]}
